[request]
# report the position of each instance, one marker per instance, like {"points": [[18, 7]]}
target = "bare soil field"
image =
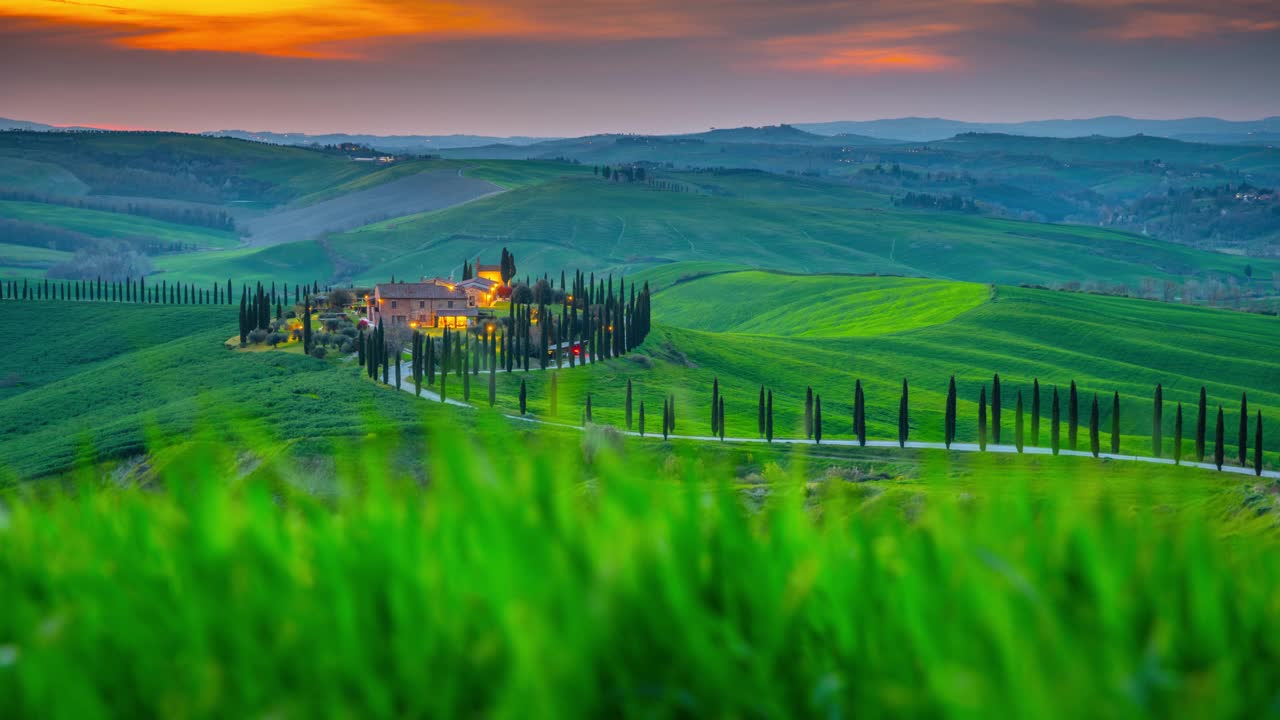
{"points": [[423, 192]]}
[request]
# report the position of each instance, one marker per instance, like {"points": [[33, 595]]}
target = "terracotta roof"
{"points": [[418, 291], [484, 284]]}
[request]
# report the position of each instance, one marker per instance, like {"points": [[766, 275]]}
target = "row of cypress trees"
{"points": [[139, 291]]}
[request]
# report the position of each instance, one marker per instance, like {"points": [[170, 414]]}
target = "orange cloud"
{"points": [[334, 29], [868, 49], [1150, 25], [875, 60]]}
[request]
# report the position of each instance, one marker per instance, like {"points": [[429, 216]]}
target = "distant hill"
{"points": [[10, 124], [916, 129], [780, 135], [419, 144]]}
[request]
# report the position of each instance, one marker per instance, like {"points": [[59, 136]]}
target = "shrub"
{"points": [[319, 352], [257, 336], [276, 338]]}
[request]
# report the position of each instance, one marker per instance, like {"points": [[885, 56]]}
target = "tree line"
{"points": [[583, 321], [214, 218], [139, 291]]}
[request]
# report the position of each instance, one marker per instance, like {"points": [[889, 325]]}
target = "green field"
{"points": [[588, 580], [108, 225], [106, 378], [272, 173], [597, 225], [1105, 344]]}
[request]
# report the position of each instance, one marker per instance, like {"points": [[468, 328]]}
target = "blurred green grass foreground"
{"points": [[552, 575]]}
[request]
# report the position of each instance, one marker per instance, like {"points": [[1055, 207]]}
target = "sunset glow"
{"points": [[595, 64]]}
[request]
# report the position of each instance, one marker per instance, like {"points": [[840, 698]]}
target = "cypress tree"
{"points": [[1157, 422], [1177, 436], [1017, 423], [817, 419], [995, 409], [1257, 446], [903, 422], [1242, 449], [1055, 419], [808, 412], [444, 373], [431, 361], [1115, 424], [666, 417], [1201, 421], [524, 397], [768, 419], [628, 405], [949, 419], [860, 413], [416, 355], [1073, 416], [982, 419], [760, 413], [588, 410], [306, 324], [466, 376], [1035, 412], [1219, 437], [244, 317], [720, 420], [1095, 445], [553, 401], [715, 406], [397, 366], [641, 419], [493, 384]]}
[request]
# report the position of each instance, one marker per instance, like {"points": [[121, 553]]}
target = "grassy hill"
{"points": [[868, 329], [178, 166], [543, 579], [608, 226], [100, 224], [107, 380]]}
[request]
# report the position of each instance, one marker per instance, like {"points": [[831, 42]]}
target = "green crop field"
{"points": [[881, 330], [97, 223], [553, 579], [105, 378]]}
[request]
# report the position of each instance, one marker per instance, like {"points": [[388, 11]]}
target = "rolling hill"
{"points": [[109, 380], [828, 331], [602, 226]]}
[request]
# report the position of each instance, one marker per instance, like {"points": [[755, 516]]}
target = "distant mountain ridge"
{"points": [[918, 129], [389, 143]]}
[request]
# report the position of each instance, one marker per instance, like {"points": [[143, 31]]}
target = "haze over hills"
{"points": [[420, 144], [864, 132], [919, 129]]}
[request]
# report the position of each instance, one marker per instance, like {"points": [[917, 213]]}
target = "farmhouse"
{"points": [[483, 289], [488, 272], [422, 305]]}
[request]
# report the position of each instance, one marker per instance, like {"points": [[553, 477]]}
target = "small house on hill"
{"points": [[488, 272], [483, 289], [422, 305]]}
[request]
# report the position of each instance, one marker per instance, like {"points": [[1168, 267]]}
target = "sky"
{"points": [[560, 68]]}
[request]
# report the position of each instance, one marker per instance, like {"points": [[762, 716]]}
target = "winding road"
{"points": [[479, 384]]}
